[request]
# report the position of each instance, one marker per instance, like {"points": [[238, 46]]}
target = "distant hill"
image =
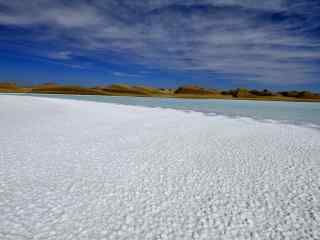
{"points": [[302, 95], [188, 91], [192, 89], [243, 93], [8, 85], [124, 89], [68, 89]]}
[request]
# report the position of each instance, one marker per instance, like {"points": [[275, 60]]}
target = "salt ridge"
{"points": [[84, 170]]}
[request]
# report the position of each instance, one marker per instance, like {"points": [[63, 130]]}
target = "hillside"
{"points": [[189, 91], [195, 90], [69, 89]]}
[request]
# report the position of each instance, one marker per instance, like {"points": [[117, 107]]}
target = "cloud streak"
{"points": [[276, 42]]}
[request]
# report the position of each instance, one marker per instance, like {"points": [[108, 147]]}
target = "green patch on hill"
{"points": [[196, 90]]}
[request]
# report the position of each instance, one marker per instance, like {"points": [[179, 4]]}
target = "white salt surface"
{"points": [[85, 170]]}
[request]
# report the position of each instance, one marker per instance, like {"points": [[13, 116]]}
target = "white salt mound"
{"points": [[84, 170]]}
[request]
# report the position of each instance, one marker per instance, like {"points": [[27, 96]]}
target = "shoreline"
{"points": [[195, 109]]}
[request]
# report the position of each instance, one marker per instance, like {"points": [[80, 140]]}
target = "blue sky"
{"points": [[212, 43]]}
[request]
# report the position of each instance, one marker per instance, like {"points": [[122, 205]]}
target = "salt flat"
{"points": [[84, 170]]}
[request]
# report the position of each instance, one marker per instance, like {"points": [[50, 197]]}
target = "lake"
{"points": [[306, 113]]}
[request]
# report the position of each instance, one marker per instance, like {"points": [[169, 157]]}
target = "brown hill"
{"points": [[242, 93], [66, 89], [151, 90], [300, 95], [8, 85], [308, 95], [191, 89], [123, 89]]}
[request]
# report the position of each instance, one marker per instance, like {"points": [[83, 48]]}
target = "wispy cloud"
{"points": [[274, 41], [124, 74], [61, 55]]}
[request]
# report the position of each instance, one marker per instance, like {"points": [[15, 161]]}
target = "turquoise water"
{"points": [[292, 112]]}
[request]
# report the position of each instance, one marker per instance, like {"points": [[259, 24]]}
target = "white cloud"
{"points": [[230, 37], [123, 74], [63, 55]]}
